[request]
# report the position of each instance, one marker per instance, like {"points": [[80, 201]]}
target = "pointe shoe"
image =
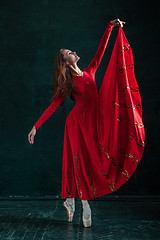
{"points": [[87, 221], [70, 211]]}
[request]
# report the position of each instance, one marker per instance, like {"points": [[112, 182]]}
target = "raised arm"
{"points": [[50, 110], [93, 65]]}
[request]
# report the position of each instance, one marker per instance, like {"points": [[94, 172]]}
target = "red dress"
{"points": [[104, 133]]}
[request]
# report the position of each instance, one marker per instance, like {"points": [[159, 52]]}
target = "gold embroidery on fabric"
{"points": [[78, 178], [104, 150], [67, 188], [118, 119], [115, 103], [126, 173], [69, 193], [125, 48], [142, 144], [77, 168], [115, 163], [125, 67], [118, 104], [122, 89], [113, 160], [77, 157], [135, 161], [91, 183], [111, 183], [139, 125]]}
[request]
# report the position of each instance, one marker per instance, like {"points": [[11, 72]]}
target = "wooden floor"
{"points": [[121, 219]]}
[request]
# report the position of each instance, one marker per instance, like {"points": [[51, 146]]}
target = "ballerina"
{"points": [[82, 173]]}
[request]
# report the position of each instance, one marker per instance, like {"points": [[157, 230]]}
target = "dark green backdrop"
{"points": [[31, 33]]}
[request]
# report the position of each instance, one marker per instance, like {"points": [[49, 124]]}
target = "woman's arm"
{"points": [[50, 110], [92, 67]]}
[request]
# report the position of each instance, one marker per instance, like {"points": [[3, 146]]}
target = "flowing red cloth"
{"points": [[119, 119], [104, 132]]}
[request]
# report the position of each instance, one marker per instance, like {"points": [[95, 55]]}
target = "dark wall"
{"points": [[31, 33]]}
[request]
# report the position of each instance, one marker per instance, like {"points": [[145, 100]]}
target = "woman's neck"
{"points": [[76, 71], [80, 74]]}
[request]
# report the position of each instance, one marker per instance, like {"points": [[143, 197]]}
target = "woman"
{"points": [[81, 154]]}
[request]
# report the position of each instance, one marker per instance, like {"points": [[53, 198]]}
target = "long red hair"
{"points": [[63, 82]]}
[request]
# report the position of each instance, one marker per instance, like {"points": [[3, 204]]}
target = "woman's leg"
{"points": [[86, 209]]}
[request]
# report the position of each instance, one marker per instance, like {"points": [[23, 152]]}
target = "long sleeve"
{"points": [[50, 110], [93, 65]]}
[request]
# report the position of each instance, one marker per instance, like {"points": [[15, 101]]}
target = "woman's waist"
{"points": [[87, 103]]}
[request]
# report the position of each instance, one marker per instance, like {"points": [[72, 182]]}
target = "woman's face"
{"points": [[71, 57]]}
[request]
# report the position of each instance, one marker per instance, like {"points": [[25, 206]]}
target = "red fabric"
{"points": [[119, 116], [104, 133]]}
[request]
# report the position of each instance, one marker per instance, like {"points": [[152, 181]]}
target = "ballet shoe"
{"points": [[87, 222], [70, 211]]}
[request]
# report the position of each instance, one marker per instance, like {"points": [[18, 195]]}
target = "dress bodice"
{"points": [[86, 87]]}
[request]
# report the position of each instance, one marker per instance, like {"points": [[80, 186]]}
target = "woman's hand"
{"points": [[117, 22], [31, 135]]}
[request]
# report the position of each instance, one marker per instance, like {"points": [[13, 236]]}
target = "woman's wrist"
{"points": [[34, 127], [117, 22], [111, 23]]}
